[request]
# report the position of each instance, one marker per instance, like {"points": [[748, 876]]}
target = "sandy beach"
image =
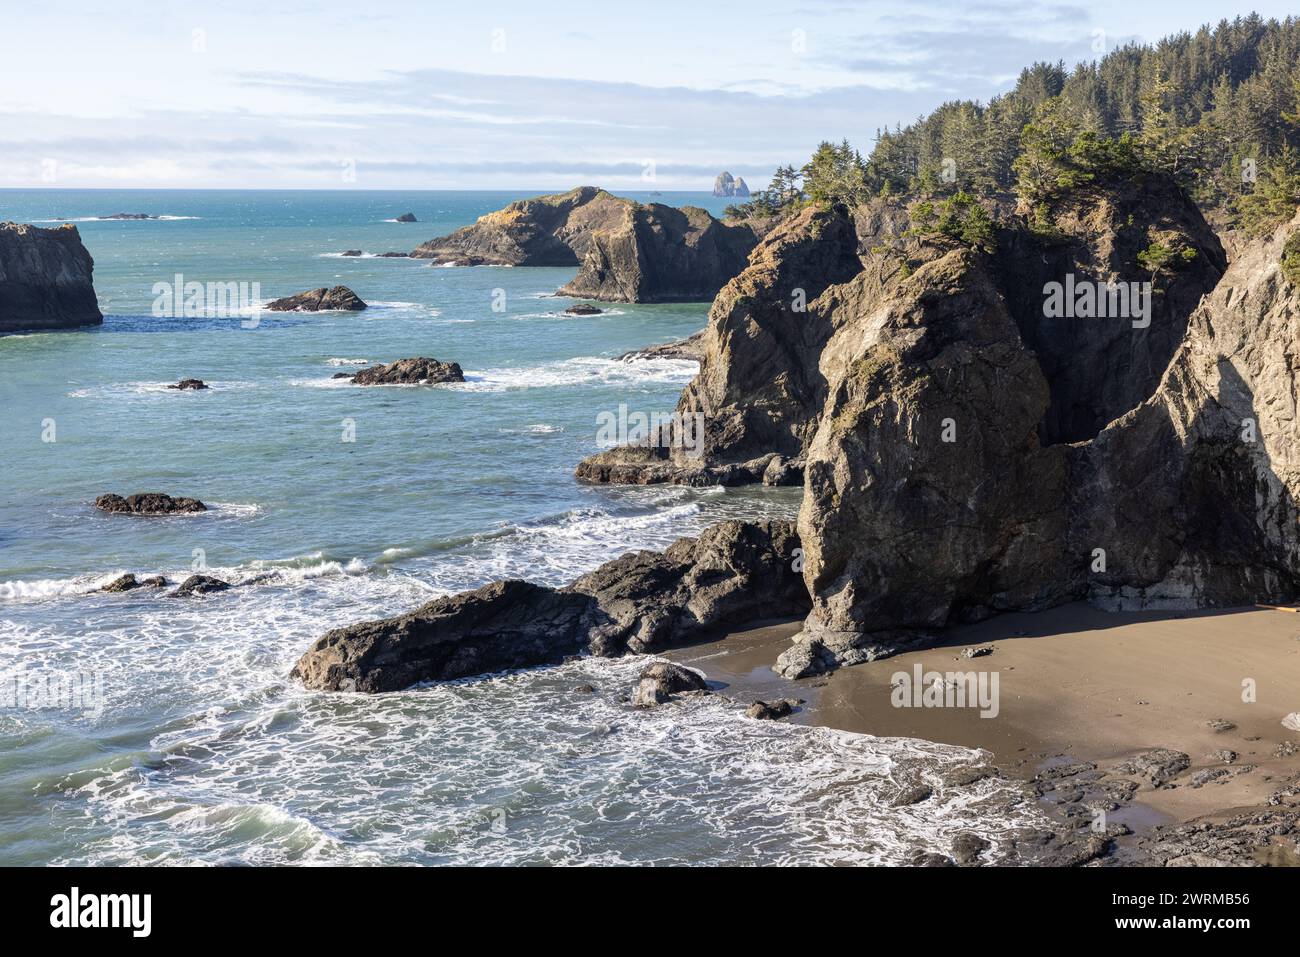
{"points": [[1082, 686]]}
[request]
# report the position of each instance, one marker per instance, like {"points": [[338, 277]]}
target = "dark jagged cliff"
{"points": [[627, 251], [46, 279]]}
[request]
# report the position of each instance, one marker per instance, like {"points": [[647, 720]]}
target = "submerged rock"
{"points": [[46, 279], [417, 371], [338, 298], [772, 710], [148, 503], [199, 585], [642, 602]]}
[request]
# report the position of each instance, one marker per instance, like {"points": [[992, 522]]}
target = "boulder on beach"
{"points": [[406, 218], [148, 503], [46, 279], [335, 299], [661, 681], [184, 384], [772, 710], [420, 370]]}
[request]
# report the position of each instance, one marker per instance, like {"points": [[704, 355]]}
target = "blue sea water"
{"points": [[199, 750]]}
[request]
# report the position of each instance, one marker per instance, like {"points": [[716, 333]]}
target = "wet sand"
{"points": [[1079, 684]]}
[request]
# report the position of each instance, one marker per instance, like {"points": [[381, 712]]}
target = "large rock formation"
{"points": [[46, 279], [725, 185], [641, 602], [1185, 499], [759, 390], [627, 251], [659, 253]]}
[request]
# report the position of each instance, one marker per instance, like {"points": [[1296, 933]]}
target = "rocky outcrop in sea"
{"points": [[324, 299], [419, 370], [626, 251], [727, 185], [642, 602], [46, 279], [148, 503]]}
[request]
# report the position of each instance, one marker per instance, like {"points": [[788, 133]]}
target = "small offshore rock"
{"points": [[338, 298], [659, 681], [407, 218], [189, 384], [419, 370], [148, 503], [582, 309], [351, 252]]}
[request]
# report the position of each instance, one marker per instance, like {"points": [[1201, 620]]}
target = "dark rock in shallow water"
{"points": [[642, 602], [128, 582], [772, 710], [394, 255], [148, 503], [406, 218], [129, 216], [351, 252], [338, 298], [582, 309], [189, 384], [46, 279], [661, 681], [417, 371], [200, 585]]}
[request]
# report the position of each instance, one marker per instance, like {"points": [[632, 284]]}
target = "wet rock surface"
{"points": [[324, 299], [148, 503], [416, 371]]}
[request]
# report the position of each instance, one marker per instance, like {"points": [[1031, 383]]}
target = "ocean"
{"points": [[332, 503]]}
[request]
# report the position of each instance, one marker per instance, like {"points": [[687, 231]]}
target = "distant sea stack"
{"points": [[726, 185], [407, 218], [46, 279], [627, 251]]}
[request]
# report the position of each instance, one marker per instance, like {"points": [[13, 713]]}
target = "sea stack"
{"points": [[46, 279]]}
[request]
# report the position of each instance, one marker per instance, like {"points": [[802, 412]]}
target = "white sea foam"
{"points": [[584, 370], [347, 362]]}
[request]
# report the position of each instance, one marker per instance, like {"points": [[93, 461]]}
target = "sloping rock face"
{"points": [[928, 494], [551, 230], [46, 279], [638, 603], [759, 390], [337, 298], [628, 252], [661, 254], [1100, 367], [1193, 494]]}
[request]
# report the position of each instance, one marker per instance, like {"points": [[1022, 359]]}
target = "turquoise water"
{"points": [[197, 749]]}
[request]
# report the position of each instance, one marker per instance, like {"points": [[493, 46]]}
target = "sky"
{"points": [[544, 95]]}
